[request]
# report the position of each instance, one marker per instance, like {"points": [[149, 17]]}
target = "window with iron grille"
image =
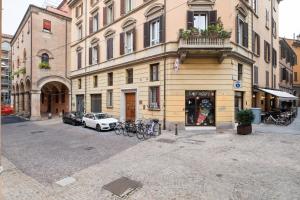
{"points": [[154, 97], [129, 76], [109, 98], [154, 74]]}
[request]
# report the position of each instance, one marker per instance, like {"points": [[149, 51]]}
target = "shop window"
{"points": [[154, 97], [200, 108]]}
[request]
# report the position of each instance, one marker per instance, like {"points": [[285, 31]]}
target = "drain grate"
{"points": [[169, 141], [122, 187], [89, 148], [35, 132]]}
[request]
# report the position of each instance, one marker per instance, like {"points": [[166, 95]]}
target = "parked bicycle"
{"points": [[151, 129], [277, 119]]}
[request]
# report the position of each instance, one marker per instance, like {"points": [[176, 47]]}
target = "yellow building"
{"points": [[135, 59]]}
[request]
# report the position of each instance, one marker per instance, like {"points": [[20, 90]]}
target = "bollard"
{"points": [[49, 115], [176, 129], [159, 129]]}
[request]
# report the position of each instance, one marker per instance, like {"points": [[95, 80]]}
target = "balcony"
{"points": [[199, 46]]}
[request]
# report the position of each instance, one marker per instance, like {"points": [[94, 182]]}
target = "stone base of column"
{"points": [[35, 118]]}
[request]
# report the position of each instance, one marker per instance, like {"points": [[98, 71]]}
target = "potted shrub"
{"points": [[22, 70], [44, 65], [244, 118]]}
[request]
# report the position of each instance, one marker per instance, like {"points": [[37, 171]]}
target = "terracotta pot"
{"points": [[244, 129]]}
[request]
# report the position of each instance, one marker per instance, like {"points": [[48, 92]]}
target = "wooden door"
{"points": [[130, 106]]}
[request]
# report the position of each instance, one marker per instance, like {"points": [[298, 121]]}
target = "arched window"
{"points": [[45, 58]]}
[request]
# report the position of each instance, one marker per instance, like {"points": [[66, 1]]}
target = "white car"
{"points": [[98, 121]]}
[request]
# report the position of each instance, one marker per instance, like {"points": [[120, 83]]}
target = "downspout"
{"points": [[252, 56], [66, 50], [271, 50], [85, 54], [31, 33], [165, 61]]}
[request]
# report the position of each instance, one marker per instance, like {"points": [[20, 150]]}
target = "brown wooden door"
{"points": [[130, 106]]}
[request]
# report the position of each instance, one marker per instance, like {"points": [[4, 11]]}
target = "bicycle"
{"points": [[151, 129], [119, 128]]}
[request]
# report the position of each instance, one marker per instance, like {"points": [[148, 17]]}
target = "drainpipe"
{"points": [[85, 54], [165, 61], [31, 36], [66, 50], [271, 50], [252, 56]]}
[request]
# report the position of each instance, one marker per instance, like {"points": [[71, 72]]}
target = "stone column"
{"points": [[17, 103], [26, 102], [35, 105]]}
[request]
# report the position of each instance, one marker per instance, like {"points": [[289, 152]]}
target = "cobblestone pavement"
{"points": [[264, 165], [51, 150]]}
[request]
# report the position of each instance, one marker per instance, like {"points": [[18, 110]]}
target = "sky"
{"points": [[14, 10]]}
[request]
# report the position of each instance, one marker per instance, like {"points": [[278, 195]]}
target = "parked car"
{"points": [[6, 110], [99, 121], [73, 118]]}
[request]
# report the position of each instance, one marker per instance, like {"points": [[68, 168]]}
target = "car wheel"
{"points": [[98, 128], [83, 125]]}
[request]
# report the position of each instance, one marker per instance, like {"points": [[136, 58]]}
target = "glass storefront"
{"points": [[200, 108]]}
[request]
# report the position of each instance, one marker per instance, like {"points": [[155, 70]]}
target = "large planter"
{"points": [[244, 129]]}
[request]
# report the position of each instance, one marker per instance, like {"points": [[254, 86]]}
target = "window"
{"points": [[200, 21], [79, 31], [255, 5], [95, 22], [110, 14], [109, 48], [267, 78], [79, 10], [45, 58], [94, 55], [242, 32], [79, 63], [47, 25], [267, 52], [255, 75], [109, 99], [274, 28], [240, 72], [283, 74], [154, 32], [128, 5], [295, 76], [129, 42], [256, 43], [79, 83], [274, 81], [95, 81], [129, 76], [110, 79], [154, 97], [267, 18], [274, 58], [154, 72]]}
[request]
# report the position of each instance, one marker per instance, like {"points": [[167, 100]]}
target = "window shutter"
{"points": [[134, 39], [146, 34], [90, 55], [237, 30], [111, 47], [265, 51], [122, 7], [104, 16], [258, 44], [97, 16], [245, 35], [98, 53], [122, 40], [190, 19], [91, 25], [79, 60], [162, 29], [253, 41], [158, 97], [213, 17]]}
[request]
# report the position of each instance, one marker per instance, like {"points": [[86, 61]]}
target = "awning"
{"points": [[282, 95]]}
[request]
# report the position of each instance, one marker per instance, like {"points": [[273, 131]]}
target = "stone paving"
{"points": [[264, 165]]}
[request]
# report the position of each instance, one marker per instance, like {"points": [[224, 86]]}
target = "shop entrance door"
{"points": [[200, 108]]}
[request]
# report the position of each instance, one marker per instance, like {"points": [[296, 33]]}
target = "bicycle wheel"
{"points": [[119, 129], [140, 133], [156, 129], [147, 133], [132, 131]]}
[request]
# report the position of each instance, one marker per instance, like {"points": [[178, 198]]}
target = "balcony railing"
{"points": [[199, 42]]}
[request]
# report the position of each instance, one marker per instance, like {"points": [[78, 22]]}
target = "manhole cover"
{"points": [[122, 187], [89, 148], [169, 141], [35, 132]]}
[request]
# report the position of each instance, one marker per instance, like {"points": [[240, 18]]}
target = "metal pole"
{"points": [[176, 129]]}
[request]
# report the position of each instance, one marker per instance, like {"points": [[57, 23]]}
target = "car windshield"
{"points": [[101, 116]]}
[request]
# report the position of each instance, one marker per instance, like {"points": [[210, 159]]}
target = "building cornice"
{"points": [[27, 15]]}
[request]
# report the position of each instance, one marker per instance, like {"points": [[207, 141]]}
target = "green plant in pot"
{"points": [[44, 65], [244, 118]]}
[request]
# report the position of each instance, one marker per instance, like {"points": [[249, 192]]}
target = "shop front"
{"points": [[200, 108]]}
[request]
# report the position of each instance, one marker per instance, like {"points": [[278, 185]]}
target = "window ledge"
{"points": [[154, 109], [109, 107], [49, 32]]}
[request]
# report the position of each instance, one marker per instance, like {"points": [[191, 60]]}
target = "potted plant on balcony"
{"points": [[216, 31], [44, 65], [22, 70], [244, 118]]}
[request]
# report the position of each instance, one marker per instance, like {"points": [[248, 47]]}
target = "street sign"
{"points": [[237, 84]]}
